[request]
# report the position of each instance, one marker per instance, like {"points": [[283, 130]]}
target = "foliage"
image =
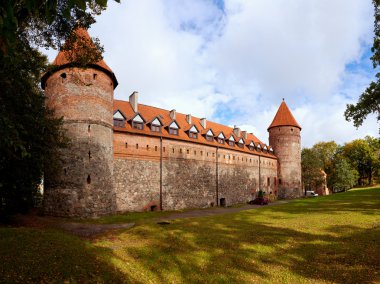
{"points": [[363, 155], [358, 159], [369, 101], [343, 176], [30, 135], [312, 165], [331, 239]]}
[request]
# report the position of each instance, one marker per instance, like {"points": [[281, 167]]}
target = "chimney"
{"points": [[203, 122], [188, 118], [133, 100], [237, 131], [172, 114], [244, 134]]}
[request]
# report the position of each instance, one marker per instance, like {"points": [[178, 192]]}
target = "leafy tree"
{"points": [[362, 156], [343, 176], [312, 175], [30, 135], [369, 101], [325, 151]]}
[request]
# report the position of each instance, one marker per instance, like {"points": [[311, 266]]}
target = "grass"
{"points": [[333, 239]]}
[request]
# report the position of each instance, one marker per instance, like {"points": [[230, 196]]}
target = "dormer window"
{"points": [[265, 148], [271, 150], [241, 143], [210, 136], [173, 128], [221, 138], [138, 122], [251, 146], [231, 141], [155, 125], [118, 119], [258, 147], [193, 132]]}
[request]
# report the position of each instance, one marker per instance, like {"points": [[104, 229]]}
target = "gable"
{"points": [[138, 118], [231, 138], [173, 125], [241, 141], [118, 115], [156, 122], [193, 129], [221, 135], [210, 133]]}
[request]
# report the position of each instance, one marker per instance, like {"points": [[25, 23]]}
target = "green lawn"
{"points": [[321, 240]]}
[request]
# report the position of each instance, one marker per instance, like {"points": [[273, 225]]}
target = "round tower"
{"points": [[285, 138], [81, 185]]}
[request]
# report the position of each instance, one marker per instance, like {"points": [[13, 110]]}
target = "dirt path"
{"points": [[87, 230]]}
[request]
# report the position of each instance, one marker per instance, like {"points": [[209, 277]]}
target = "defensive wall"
{"points": [[150, 172]]}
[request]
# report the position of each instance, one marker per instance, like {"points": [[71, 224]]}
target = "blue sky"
{"points": [[233, 61]]}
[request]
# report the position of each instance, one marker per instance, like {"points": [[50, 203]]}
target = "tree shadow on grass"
{"points": [[48, 256], [232, 249]]}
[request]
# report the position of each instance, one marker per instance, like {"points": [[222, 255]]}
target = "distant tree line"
{"points": [[348, 165]]}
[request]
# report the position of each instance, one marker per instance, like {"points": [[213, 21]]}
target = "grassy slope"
{"points": [[326, 239]]}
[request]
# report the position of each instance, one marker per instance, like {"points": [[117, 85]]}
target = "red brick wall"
{"points": [[82, 184], [286, 143]]}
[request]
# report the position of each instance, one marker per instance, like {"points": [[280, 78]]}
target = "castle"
{"points": [[125, 156]]}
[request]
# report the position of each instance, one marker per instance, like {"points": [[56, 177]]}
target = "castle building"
{"points": [[126, 156]]}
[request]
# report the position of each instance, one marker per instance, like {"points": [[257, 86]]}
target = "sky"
{"points": [[233, 61]]}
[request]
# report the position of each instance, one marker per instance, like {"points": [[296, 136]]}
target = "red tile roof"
{"points": [[149, 113], [284, 117], [62, 59]]}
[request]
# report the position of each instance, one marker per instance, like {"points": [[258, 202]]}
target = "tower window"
{"points": [[63, 75], [88, 179], [95, 75]]}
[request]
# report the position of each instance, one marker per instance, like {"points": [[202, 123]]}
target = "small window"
{"points": [[94, 76], [119, 123], [240, 145], [173, 131], [231, 143], [209, 138], [155, 128], [220, 141], [193, 135], [138, 125], [279, 181], [268, 181]]}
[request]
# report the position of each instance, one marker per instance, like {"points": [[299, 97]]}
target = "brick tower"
{"points": [[82, 184], [285, 138]]}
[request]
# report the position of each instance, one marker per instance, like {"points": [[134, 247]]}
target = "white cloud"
{"points": [[235, 65]]}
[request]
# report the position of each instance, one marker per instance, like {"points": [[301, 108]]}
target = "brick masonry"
{"points": [[83, 183], [106, 171], [286, 142], [189, 174]]}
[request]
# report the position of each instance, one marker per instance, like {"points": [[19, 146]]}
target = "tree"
{"points": [[30, 135], [369, 101], [343, 176], [362, 155], [325, 151], [312, 175]]}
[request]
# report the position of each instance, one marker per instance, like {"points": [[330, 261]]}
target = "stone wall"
{"points": [[82, 183], [286, 142], [189, 174]]}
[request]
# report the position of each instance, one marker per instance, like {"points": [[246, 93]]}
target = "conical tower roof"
{"points": [[284, 117], [64, 59]]}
